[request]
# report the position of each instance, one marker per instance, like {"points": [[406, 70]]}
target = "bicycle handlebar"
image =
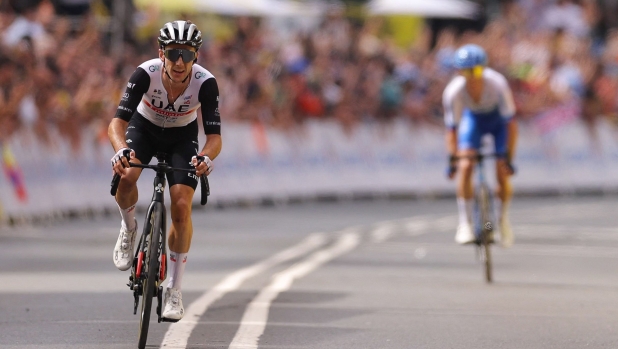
{"points": [[161, 166], [480, 156]]}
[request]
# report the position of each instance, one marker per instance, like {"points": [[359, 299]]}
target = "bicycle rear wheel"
{"points": [[486, 230], [151, 271]]}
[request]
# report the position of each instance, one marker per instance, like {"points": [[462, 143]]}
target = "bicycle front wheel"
{"points": [[486, 230], [151, 270]]}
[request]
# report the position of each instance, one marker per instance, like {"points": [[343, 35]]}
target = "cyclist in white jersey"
{"points": [[479, 101], [158, 113]]}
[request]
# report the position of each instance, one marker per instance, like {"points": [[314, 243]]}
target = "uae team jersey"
{"points": [[496, 95], [146, 95]]}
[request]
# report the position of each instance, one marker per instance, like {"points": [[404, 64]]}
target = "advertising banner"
{"points": [[320, 158]]}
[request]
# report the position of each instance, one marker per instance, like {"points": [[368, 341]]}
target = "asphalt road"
{"points": [[379, 274]]}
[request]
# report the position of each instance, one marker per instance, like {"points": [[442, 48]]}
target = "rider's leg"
{"points": [[126, 198], [465, 191], [179, 241], [465, 196], [504, 192], [468, 143], [504, 189], [181, 231], [182, 187], [504, 137]]}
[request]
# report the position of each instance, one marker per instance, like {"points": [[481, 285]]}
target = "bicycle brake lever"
{"points": [[114, 184], [205, 189]]}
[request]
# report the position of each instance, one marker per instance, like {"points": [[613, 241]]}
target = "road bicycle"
{"points": [[484, 220], [483, 215], [148, 270]]}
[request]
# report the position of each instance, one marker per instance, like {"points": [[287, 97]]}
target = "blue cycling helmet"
{"points": [[469, 56]]}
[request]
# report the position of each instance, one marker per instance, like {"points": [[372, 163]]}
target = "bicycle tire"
{"points": [[152, 263], [486, 229]]}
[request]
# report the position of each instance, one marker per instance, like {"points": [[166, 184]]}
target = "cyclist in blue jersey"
{"points": [[479, 101], [158, 113]]}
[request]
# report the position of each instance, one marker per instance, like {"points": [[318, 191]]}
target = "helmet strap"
{"points": [[168, 75]]}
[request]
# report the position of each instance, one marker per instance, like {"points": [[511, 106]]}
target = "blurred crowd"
{"points": [[60, 75]]}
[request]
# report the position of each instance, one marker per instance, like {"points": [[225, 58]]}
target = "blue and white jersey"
{"points": [[496, 95]]}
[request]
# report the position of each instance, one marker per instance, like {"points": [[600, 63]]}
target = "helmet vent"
{"points": [[170, 30]]}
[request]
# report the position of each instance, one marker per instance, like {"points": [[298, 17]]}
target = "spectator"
{"points": [[567, 15], [345, 69], [25, 25], [72, 7], [13, 89]]}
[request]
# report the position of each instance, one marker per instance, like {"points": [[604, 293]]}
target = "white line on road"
{"points": [[178, 333], [383, 231], [254, 320], [414, 226]]}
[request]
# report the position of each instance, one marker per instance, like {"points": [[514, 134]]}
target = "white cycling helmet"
{"points": [[180, 32]]}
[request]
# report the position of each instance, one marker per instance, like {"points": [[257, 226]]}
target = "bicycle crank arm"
{"points": [[164, 319], [135, 302]]}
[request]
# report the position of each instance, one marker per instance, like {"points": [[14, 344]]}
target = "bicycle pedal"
{"points": [[490, 238], [479, 240], [164, 319]]}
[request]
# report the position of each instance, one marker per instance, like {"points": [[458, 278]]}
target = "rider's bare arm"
{"points": [[212, 148], [451, 140], [511, 141], [116, 133]]}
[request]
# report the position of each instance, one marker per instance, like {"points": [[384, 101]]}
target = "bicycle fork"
{"points": [[163, 264]]}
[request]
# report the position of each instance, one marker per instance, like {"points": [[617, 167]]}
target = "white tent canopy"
{"points": [[263, 8], [425, 8]]}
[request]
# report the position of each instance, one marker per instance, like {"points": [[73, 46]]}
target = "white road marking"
{"points": [[416, 226], [178, 333], [254, 320], [257, 312], [420, 253], [383, 231]]}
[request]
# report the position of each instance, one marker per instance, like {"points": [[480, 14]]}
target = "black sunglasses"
{"points": [[174, 53]]}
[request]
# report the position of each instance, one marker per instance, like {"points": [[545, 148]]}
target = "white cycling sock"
{"points": [[502, 209], [176, 266], [465, 210], [128, 217]]}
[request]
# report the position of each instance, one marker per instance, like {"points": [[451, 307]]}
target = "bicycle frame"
{"points": [[484, 220], [151, 255], [158, 203]]}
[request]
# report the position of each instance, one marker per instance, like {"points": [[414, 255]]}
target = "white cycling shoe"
{"points": [[464, 235], [506, 233], [123, 251], [173, 309]]}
